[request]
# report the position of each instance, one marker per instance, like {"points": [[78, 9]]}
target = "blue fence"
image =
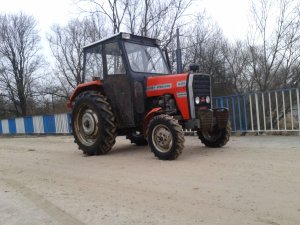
{"points": [[46, 124], [272, 111], [277, 110]]}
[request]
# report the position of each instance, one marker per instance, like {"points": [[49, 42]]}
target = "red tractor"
{"points": [[133, 93]]}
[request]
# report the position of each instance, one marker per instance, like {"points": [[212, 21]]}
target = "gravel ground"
{"points": [[252, 180]]}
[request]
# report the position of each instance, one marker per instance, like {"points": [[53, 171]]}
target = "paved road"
{"points": [[253, 180]]}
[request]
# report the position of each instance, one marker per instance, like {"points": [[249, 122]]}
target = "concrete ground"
{"points": [[252, 180]]}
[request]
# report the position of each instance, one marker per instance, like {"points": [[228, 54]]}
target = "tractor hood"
{"points": [[175, 85], [160, 85]]}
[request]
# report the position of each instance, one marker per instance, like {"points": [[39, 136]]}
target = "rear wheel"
{"points": [[93, 124], [216, 138], [137, 138], [165, 137]]}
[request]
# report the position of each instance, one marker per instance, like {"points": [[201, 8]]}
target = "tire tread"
{"points": [[108, 119], [220, 142], [179, 137]]}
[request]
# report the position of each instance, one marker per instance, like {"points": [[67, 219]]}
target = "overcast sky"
{"points": [[231, 15]]}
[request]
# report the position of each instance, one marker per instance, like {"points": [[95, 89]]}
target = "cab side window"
{"points": [[114, 59], [94, 63]]}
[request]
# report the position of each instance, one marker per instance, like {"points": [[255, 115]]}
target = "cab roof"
{"points": [[125, 37]]}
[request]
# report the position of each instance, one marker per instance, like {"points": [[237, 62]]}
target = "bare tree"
{"points": [[237, 63], [155, 18], [114, 10], [150, 18], [19, 59], [274, 41], [202, 44], [67, 43]]}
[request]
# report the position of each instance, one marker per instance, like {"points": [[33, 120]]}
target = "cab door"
{"points": [[117, 85]]}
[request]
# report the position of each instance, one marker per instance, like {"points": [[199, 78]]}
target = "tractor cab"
{"points": [[122, 54], [121, 63]]}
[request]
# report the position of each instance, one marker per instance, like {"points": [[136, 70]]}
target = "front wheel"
{"points": [[165, 137], [216, 138]]}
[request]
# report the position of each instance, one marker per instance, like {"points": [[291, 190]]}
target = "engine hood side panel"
{"points": [[175, 85]]}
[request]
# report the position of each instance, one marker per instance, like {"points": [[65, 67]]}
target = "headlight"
{"points": [[197, 100], [207, 99]]}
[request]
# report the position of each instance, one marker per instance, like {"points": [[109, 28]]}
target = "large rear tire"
{"points": [[216, 138], [165, 137], [93, 124]]}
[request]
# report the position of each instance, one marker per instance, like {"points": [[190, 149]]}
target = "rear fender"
{"points": [[149, 116], [88, 86]]}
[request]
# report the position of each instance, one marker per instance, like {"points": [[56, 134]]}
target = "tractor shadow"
{"points": [[193, 150], [128, 149], [197, 152], [190, 151]]}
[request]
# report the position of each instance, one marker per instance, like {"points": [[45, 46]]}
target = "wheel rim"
{"points": [[162, 138], [86, 125]]}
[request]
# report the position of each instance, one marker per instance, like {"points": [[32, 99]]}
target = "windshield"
{"points": [[146, 59]]}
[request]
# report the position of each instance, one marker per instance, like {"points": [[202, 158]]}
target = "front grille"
{"points": [[201, 85], [201, 89]]}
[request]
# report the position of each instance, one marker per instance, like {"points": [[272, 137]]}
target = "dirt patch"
{"points": [[252, 180]]}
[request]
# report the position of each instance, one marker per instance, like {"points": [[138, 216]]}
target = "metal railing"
{"points": [[271, 111]]}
